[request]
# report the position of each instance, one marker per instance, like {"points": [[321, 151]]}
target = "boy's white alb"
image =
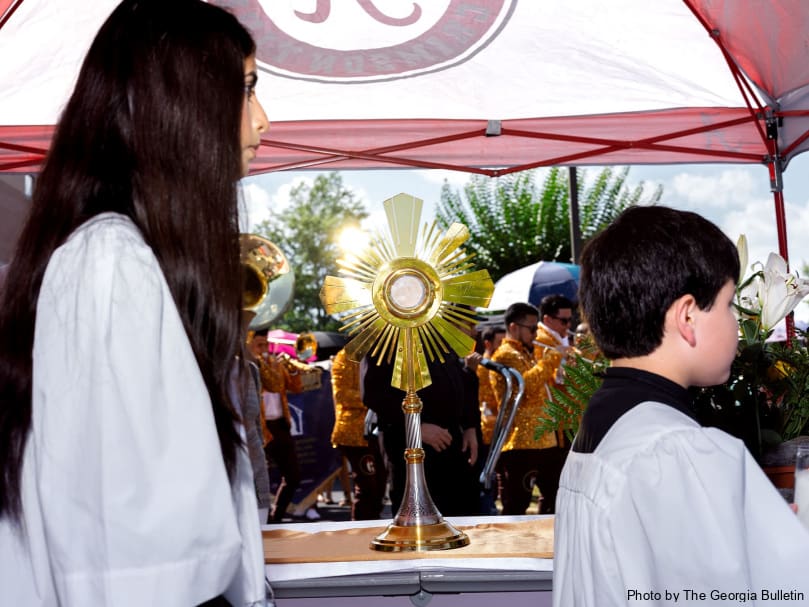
{"points": [[663, 504]]}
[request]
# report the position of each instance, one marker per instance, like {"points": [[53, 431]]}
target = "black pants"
{"points": [[370, 476], [520, 469], [451, 481], [281, 450], [488, 497]]}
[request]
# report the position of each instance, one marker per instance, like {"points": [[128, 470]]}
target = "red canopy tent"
{"points": [[485, 86]]}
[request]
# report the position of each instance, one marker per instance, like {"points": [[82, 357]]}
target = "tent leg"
{"points": [[776, 186], [575, 224], [781, 223]]}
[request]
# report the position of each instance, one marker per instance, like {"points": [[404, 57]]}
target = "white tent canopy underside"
{"points": [[410, 83]]}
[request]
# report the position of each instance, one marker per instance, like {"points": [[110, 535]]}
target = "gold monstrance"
{"points": [[411, 294]]}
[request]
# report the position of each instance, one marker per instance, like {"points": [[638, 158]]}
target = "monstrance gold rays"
{"points": [[408, 292]]}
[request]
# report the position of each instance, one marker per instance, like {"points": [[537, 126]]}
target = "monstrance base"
{"points": [[419, 538]]}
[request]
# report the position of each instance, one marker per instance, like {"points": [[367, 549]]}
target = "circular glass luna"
{"points": [[408, 293]]}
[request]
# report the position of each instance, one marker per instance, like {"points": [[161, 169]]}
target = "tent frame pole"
{"points": [[575, 224], [777, 188]]}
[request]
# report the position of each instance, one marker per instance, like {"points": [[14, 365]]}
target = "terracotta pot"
{"points": [[783, 477]]}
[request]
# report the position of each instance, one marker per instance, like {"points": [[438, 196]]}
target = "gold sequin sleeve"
{"points": [[274, 375], [547, 357], [300, 375], [349, 410], [274, 378], [488, 402]]}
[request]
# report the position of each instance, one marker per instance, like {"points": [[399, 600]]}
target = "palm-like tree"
{"points": [[513, 222]]}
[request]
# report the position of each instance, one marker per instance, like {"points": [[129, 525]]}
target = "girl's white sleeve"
{"points": [[137, 508]]}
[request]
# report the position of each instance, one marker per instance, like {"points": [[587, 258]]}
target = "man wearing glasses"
{"points": [[553, 333], [526, 461], [553, 330]]}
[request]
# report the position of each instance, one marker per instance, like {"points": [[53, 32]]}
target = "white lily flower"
{"points": [[779, 292], [741, 247], [748, 298]]}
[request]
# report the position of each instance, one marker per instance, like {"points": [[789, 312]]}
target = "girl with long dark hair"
{"points": [[123, 476]]}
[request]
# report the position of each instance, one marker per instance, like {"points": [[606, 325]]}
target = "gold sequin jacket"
{"points": [[537, 369], [281, 374]]}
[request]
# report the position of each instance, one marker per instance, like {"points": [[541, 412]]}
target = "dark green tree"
{"points": [[513, 222], [307, 232]]}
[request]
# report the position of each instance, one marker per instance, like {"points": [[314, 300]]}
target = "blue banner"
{"points": [[312, 424]]}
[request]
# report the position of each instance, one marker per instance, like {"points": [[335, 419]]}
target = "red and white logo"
{"points": [[368, 40]]}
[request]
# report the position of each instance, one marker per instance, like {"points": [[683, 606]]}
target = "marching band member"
{"points": [[553, 329], [280, 375], [525, 461], [246, 394], [363, 453], [491, 337], [553, 333]]}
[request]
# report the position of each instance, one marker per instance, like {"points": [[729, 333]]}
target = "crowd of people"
{"points": [[457, 420]]}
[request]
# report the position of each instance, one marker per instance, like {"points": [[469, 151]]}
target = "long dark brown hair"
{"points": [[151, 131]]}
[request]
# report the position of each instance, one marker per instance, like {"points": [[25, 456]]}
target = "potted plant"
{"points": [[765, 401]]}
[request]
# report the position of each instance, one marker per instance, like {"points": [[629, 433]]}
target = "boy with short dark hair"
{"points": [[652, 508]]}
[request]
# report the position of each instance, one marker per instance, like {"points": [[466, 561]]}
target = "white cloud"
{"points": [[738, 200], [456, 179], [735, 198], [797, 220], [755, 220], [376, 220], [259, 201], [719, 191], [254, 206], [282, 195]]}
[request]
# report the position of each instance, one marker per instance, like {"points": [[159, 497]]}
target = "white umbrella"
{"points": [[533, 282]]}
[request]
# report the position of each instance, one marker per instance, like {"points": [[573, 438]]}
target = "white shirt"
{"points": [[125, 495], [563, 341], [664, 505]]}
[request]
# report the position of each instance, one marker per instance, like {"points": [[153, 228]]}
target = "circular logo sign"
{"points": [[368, 40], [368, 465], [529, 480]]}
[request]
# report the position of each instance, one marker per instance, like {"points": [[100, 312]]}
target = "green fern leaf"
{"points": [[565, 407]]}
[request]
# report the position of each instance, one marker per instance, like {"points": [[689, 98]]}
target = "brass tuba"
{"points": [[305, 344], [268, 280]]}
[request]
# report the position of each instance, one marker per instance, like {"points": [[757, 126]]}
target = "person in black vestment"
{"points": [[450, 426]]}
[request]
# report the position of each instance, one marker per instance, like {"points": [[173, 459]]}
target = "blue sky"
{"points": [[736, 197]]}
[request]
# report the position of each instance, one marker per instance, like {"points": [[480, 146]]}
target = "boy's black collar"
{"points": [[679, 397], [623, 389]]}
